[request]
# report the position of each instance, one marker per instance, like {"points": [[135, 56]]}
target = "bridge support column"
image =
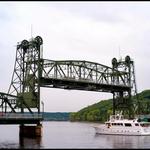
{"points": [[30, 131]]}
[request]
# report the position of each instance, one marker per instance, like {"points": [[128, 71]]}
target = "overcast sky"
{"points": [[92, 31]]}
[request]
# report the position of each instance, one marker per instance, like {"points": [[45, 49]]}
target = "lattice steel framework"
{"points": [[7, 101], [26, 76], [31, 72], [83, 75], [123, 100]]}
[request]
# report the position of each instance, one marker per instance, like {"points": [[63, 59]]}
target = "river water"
{"points": [[65, 134]]}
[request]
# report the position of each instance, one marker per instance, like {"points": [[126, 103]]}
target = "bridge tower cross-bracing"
{"points": [[25, 80], [125, 101]]}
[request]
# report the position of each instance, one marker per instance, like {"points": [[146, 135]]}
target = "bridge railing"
{"points": [[20, 116], [84, 71]]}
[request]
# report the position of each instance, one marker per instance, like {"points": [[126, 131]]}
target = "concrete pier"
{"points": [[30, 131]]}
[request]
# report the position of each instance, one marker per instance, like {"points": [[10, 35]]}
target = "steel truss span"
{"points": [[83, 75]]}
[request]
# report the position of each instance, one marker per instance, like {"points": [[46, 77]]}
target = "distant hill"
{"points": [[102, 110], [56, 116]]}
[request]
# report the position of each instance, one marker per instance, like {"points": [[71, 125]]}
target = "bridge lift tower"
{"points": [[23, 98], [26, 76], [125, 101]]}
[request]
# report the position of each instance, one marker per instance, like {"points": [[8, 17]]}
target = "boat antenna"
{"points": [[120, 58], [31, 31], [121, 112]]}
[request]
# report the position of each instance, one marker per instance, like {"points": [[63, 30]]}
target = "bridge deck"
{"points": [[82, 85], [20, 118]]}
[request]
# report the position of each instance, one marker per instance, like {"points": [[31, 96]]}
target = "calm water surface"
{"points": [[69, 135]]}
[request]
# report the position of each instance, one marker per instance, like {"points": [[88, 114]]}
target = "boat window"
{"points": [[120, 124], [136, 124], [144, 125], [108, 125], [128, 124]]}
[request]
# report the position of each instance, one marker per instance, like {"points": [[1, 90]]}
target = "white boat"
{"points": [[117, 125]]}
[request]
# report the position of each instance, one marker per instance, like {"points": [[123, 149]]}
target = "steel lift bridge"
{"points": [[21, 105]]}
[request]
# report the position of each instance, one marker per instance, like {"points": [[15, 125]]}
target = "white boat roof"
{"points": [[120, 119]]}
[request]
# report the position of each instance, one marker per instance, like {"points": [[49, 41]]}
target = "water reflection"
{"points": [[8, 145], [28, 142], [122, 141], [69, 135]]}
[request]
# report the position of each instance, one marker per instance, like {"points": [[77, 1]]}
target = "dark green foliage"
{"points": [[144, 102], [96, 112], [102, 110]]}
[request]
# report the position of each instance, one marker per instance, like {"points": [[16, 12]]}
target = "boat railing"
{"points": [[116, 117]]}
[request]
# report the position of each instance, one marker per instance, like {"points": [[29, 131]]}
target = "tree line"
{"points": [[103, 109]]}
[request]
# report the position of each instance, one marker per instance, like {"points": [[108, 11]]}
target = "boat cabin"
{"points": [[118, 120]]}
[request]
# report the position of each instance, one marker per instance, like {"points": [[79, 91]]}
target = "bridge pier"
{"points": [[30, 131]]}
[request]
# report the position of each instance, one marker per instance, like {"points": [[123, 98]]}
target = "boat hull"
{"points": [[121, 131]]}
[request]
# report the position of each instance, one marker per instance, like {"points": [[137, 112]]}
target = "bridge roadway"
{"points": [[70, 84], [16, 117], [20, 118]]}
